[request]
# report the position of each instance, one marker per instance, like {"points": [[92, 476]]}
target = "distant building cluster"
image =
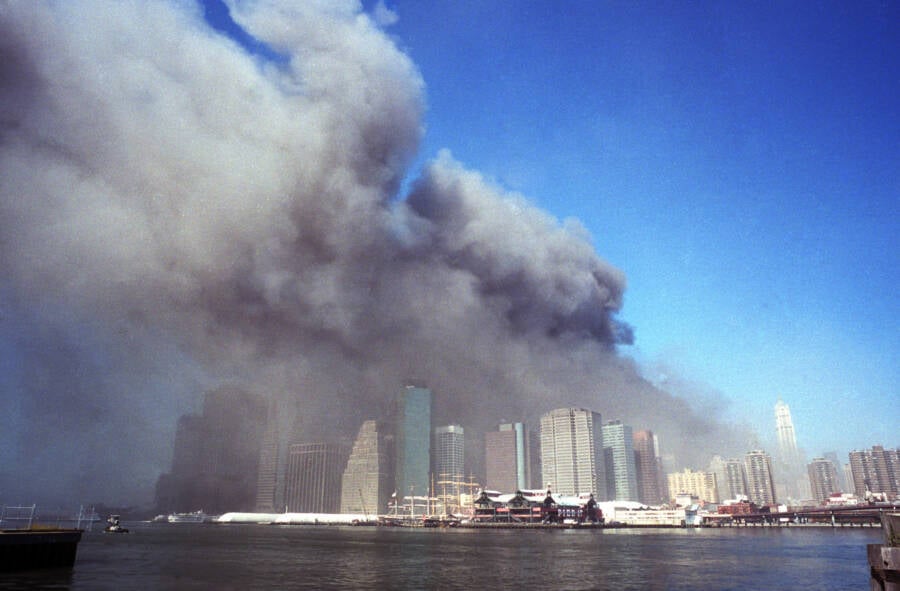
{"points": [[231, 457]]}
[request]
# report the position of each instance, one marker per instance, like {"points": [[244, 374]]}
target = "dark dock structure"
{"points": [[27, 549]]}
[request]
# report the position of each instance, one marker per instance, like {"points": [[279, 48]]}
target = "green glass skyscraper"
{"points": [[412, 413]]}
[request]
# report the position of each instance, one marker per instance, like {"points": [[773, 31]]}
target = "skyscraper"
{"points": [[648, 468], [449, 465], [267, 481], [412, 439], [313, 478], [506, 458], [876, 470], [822, 479], [735, 479], [784, 430], [215, 462], [572, 452], [789, 470], [760, 484], [368, 481], [618, 454]]}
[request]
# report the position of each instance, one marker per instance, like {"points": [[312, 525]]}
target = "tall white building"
{"points": [[784, 431], [572, 452], [790, 471], [449, 466], [618, 453], [367, 482]]}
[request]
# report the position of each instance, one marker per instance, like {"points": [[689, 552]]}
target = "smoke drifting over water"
{"points": [[176, 213]]}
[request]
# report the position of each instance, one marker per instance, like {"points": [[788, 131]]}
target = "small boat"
{"points": [[113, 526]]}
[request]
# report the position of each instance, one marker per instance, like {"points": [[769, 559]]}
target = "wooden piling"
{"points": [[884, 559]]}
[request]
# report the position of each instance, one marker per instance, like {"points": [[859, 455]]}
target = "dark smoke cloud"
{"points": [[176, 213]]}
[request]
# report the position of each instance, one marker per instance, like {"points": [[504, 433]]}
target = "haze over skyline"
{"points": [[333, 205], [738, 162]]}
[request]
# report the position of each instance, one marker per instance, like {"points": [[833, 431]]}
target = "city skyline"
{"points": [[633, 210], [317, 477]]}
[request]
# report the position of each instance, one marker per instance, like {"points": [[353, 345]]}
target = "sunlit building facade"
{"points": [[367, 482], [313, 477], [572, 452], [760, 480], [648, 468], [618, 454]]}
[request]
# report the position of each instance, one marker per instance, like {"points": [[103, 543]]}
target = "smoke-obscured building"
{"points": [[267, 481], [572, 458], [449, 465], [312, 482], [618, 456], [368, 480], [731, 478], [215, 461], [790, 467], [506, 458], [876, 470], [841, 480], [822, 479], [412, 433], [760, 480], [648, 468]]}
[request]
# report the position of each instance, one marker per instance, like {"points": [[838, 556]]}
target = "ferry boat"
{"points": [[195, 517]]}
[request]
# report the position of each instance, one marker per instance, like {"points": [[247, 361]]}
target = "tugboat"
{"points": [[113, 526]]}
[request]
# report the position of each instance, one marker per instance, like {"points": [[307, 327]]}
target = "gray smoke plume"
{"points": [[176, 213]]}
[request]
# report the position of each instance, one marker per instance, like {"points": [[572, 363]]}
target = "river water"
{"points": [[225, 557]]}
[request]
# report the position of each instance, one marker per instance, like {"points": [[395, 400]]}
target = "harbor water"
{"points": [[224, 557]]}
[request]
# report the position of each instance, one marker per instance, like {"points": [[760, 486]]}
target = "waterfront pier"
{"points": [[884, 559]]}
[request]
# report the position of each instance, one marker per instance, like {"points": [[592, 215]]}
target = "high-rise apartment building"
{"points": [[506, 458], [412, 441], [449, 465], [735, 479], [313, 477], [648, 467], [572, 452], [367, 482], [699, 484], [822, 479], [618, 454], [760, 481], [876, 470]]}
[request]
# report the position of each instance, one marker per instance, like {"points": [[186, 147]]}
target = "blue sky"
{"points": [[738, 161]]}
